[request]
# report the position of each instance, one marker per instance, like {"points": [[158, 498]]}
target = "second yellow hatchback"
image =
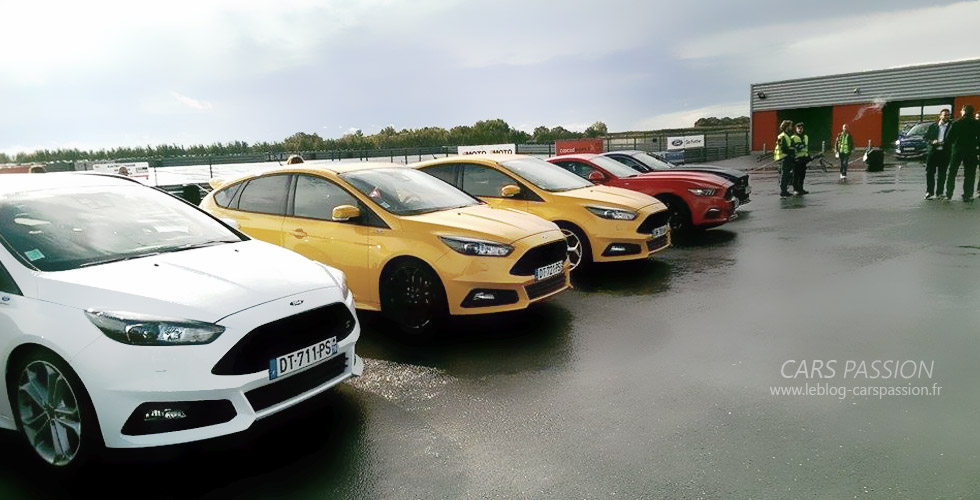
{"points": [[411, 245], [602, 223]]}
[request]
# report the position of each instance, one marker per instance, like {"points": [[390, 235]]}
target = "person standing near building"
{"points": [[801, 145], [962, 140], [786, 155], [937, 156], [843, 147]]}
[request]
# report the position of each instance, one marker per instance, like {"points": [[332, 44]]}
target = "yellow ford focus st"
{"points": [[411, 245], [602, 223]]}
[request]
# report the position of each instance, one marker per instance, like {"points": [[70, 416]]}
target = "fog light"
{"points": [[615, 249], [712, 213], [485, 297], [164, 414]]}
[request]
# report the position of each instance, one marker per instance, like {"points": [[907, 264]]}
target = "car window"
{"points": [[224, 196], [404, 191], [576, 167], [7, 283], [444, 172], [68, 228], [479, 180], [266, 195], [316, 198], [630, 162]]}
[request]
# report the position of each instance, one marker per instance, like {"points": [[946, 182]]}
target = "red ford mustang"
{"points": [[696, 200]]}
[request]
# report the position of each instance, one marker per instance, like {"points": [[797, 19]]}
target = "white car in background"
{"points": [[129, 318]]}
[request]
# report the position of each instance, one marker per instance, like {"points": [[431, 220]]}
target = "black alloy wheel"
{"points": [[413, 297]]}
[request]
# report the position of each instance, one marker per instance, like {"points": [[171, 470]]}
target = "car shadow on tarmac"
{"points": [[261, 462], [471, 346]]}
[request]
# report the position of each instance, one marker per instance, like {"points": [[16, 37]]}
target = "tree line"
{"points": [[494, 131]]}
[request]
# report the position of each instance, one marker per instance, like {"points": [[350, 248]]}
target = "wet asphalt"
{"points": [[653, 379]]}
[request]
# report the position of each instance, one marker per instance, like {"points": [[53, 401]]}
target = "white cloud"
{"points": [[682, 119], [191, 103], [870, 41]]}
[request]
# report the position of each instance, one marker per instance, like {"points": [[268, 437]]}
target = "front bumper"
{"points": [[482, 285], [648, 234], [175, 378]]}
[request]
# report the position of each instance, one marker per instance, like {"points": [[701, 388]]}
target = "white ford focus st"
{"points": [[129, 318]]}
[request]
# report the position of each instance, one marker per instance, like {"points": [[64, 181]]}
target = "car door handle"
{"points": [[299, 233]]}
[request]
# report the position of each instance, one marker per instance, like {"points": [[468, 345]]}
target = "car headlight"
{"points": [[138, 329], [337, 276], [702, 191], [482, 248], [898, 143], [612, 213]]}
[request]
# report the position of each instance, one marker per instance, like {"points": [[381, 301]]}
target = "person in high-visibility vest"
{"points": [[844, 146], [786, 155], [801, 144]]}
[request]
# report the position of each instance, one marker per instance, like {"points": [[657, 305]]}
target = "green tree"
{"points": [[597, 129]]}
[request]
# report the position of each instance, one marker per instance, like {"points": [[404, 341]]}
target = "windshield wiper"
{"points": [[200, 244], [118, 259]]}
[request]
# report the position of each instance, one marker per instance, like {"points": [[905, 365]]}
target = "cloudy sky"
{"points": [[100, 74]]}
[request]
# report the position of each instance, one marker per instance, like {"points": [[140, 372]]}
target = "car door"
{"points": [[260, 207], [486, 182], [309, 229]]}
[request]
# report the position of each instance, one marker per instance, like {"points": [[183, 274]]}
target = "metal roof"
{"points": [[940, 80]]}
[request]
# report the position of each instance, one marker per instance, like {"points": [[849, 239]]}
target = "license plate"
{"points": [[548, 271], [660, 231], [303, 358]]}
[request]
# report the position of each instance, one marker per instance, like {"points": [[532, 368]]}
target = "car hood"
{"points": [[671, 175], [498, 224], [730, 173], [204, 284], [607, 195]]}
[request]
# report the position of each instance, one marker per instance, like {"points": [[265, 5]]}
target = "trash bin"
{"points": [[875, 160]]}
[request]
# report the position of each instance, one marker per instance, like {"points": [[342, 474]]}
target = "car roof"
{"points": [[577, 156], [19, 183], [334, 168]]}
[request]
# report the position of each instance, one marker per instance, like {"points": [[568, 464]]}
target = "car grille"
{"points": [[539, 256], [545, 286], [656, 243], [293, 385], [654, 221], [252, 353]]}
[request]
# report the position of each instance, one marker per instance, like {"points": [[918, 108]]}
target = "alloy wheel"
{"points": [[574, 248], [49, 412]]}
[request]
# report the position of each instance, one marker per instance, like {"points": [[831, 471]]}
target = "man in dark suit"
{"points": [[962, 140], [937, 157]]}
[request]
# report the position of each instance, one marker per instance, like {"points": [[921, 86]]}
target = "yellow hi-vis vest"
{"points": [[801, 145], [781, 139]]}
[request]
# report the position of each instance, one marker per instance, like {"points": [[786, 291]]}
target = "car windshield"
{"points": [[652, 161], [614, 167], [545, 175], [918, 130], [68, 228], [405, 191]]}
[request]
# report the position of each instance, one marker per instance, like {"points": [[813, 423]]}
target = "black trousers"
{"points": [[786, 174], [936, 162], [799, 174], [968, 157]]}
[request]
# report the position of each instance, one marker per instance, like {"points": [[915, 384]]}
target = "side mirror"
{"points": [[596, 176], [510, 191], [344, 213]]}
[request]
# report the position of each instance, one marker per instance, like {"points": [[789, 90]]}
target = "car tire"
{"points": [[413, 297], [680, 215], [53, 412], [579, 250]]}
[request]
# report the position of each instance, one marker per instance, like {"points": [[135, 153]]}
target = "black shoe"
{"points": [[785, 194]]}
